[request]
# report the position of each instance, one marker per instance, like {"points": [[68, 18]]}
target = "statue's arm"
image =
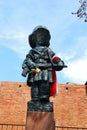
{"points": [[28, 64], [57, 63]]}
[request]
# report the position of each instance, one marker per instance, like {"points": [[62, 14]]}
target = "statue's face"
{"points": [[42, 37], [39, 37]]}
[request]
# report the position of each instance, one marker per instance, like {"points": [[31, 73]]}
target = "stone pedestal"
{"points": [[40, 121]]}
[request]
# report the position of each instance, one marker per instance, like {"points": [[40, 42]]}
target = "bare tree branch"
{"points": [[81, 12]]}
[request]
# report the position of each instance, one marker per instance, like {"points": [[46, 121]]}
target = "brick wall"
{"points": [[70, 106], [13, 102]]}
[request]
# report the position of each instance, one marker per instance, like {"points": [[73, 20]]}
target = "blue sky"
{"points": [[68, 36]]}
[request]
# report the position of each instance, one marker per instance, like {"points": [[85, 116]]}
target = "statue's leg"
{"points": [[44, 91], [34, 92], [40, 93]]}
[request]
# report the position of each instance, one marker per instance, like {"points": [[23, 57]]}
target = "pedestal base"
{"points": [[40, 106], [40, 121]]}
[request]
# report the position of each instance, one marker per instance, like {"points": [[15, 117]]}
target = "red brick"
{"points": [[70, 106]]}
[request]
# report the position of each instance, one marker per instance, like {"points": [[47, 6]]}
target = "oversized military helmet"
{"points": [[40, 36]]}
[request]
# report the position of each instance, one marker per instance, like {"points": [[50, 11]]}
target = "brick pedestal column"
{"points": [[40, 121]]}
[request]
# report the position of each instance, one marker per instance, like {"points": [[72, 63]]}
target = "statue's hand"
{"points": [[35, 71], [25, 72]]}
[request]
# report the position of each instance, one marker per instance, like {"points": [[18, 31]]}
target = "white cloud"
{"points": [[16, 41], [12, 36], [66, 56], [77, 70], [76, 60]]}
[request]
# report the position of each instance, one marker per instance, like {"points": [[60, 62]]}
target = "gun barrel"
{"points": [[65, 66]]}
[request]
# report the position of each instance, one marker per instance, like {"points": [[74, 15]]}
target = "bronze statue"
{"points": [[40, 63]]}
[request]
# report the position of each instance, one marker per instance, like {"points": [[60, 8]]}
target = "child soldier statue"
{"points": [[40, 65]]}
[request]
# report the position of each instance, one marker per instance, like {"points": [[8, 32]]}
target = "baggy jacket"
{"points": [[39, 57]]}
